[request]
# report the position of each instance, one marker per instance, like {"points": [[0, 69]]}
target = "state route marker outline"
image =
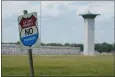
{"points": [[28, 27]]}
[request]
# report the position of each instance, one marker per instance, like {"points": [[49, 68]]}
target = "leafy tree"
{"points": [[104, 47], [78, 45], [42, 44], [54, 44], [81, 47], [67, 44], [73, 45], [107, 47], [18, 42], [98, 47]]}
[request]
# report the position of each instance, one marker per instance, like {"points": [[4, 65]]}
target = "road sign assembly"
{"points": [[29, 34], [28, 29]]}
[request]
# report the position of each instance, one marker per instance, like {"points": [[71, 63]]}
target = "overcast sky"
{"points": [[60, 21]]}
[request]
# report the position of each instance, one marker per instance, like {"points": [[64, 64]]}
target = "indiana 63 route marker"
{"points": [[28, 29]]}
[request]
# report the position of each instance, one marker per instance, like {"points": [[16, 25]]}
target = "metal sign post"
{"points": [[31, 63], [30, 55]]}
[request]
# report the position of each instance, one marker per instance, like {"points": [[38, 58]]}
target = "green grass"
{"points": [[59, 65]]}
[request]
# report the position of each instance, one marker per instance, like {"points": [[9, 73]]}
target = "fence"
{"points": [[12, 49]]}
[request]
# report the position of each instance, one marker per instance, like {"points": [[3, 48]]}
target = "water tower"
{"points": [[89, 32]]}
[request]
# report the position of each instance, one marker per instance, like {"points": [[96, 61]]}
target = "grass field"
{"points": [[59, 65]]}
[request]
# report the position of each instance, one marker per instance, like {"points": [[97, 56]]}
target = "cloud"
{"points": [[11, 8], [102, 7], [55, 8], [60, 19], [105, 8]]}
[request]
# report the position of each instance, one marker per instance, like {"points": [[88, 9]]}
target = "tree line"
{"points": [[100, 47]]}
